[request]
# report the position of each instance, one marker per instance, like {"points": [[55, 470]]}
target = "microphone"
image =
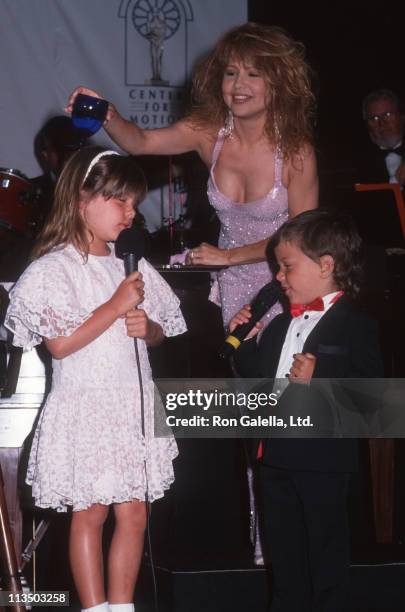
{"points": [[130, 246], [264, 300]]}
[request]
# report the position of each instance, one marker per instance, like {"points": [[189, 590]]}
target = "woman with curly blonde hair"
{"points": [[251, 123], [280, 61]]}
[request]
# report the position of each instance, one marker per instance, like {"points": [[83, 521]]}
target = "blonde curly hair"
{"points": [[281, 61]]}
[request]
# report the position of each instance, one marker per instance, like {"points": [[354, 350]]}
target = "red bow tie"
{"points": [[297, 309]]}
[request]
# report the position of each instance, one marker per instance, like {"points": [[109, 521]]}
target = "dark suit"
{"points": [[305, 481], [371, 167]]}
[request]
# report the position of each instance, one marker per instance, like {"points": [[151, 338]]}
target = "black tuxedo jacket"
{"points": [[345, 344], [371, 165]]}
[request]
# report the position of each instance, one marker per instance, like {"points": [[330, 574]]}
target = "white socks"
{"points": [[106, 607], [103, 607]]}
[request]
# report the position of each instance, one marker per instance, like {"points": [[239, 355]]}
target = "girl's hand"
{"points": [[89, 92], [302, 368], [129, 294], [138, 323], [140, 326], [243, 316], [207, 255]]}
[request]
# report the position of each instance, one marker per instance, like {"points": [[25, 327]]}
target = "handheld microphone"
{"points": [[264, 300], [130, 246]]}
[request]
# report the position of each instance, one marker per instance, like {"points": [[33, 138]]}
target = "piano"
{"points": [[18, 411]]}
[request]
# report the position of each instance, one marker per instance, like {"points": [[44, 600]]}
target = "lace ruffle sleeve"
{"points": [[161, 304], [44, 303]]}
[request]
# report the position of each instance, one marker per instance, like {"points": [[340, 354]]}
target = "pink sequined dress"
{"points": [[243, 224]]}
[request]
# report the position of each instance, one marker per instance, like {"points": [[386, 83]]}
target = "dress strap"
{"points": [[218, 146], [278, 166]]}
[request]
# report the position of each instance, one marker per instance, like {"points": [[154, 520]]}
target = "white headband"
{"points": [[95, 160]]}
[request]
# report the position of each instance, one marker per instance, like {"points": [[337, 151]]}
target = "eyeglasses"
{"points": [[374, 119]]}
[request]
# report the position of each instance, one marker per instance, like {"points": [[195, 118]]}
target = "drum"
{"points": [[16, 200]]}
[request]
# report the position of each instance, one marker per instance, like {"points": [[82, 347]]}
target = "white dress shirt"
{"points": [[297, 333], [392, 162]]}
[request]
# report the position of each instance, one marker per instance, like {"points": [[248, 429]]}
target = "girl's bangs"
{"points": [[124, 186]]}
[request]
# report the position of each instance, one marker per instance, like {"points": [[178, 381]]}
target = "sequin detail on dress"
{"points": [[243, 224]]}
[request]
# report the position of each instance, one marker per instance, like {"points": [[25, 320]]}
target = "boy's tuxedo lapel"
{"points": [[328, 326], [328, 334]]}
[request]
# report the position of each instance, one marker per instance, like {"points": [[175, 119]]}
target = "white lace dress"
{"points": [[88, 446]]}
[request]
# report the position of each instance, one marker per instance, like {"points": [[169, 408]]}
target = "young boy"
{"points": [[305, 481]]}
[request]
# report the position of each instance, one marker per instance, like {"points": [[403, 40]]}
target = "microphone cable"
{"points": [[148, 506]]}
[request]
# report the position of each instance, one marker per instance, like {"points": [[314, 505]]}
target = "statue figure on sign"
{"points": [[156, 35]]}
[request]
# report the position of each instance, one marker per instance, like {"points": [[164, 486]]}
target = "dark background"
{"points": [[354, 47]]}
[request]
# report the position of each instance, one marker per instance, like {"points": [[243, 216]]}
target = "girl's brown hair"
{"points": [[281, 61], [113, 176]]}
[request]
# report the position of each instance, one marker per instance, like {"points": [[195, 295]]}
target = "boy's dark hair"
{"points": [[323, 232]]}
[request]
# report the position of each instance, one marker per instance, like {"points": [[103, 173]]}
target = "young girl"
{"points": [[88, 450]]}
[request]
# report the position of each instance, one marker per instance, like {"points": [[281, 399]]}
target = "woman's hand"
{"points": [[129, 294], [111, 112], [207, 255], [243, 316]]}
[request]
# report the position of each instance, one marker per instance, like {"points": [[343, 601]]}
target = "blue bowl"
{"points": [[89, 113]]}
